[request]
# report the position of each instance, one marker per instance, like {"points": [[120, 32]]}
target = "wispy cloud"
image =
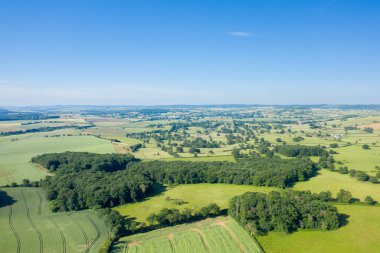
{"points": [[240, 34]]}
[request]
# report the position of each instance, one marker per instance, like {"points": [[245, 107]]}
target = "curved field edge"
{"points": [[25, 224], [214, 235]]}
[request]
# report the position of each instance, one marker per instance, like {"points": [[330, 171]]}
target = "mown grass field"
{"points": [[195, 196], [360, 235], [27, 226], [15, 155], [334, 181], [218, 235]]}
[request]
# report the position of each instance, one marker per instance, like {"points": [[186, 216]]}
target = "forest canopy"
{"points": [[85, 180], [288, 211]]}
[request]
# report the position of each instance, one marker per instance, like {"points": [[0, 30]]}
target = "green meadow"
{"points": [[360, 235], [334, 181], [195, 196], [355, 157], [15, 155]]}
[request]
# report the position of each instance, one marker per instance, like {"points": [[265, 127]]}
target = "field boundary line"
{"points": [[61, 233], [83, 232], [203, 239], [31, 223], [98, 232], [18, 249]]}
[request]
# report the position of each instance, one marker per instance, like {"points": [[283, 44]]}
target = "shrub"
{"points": [[344, 196]]}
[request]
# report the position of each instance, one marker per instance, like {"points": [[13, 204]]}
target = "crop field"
{"points": [[15, 155], [218, 235], [360, 235], [27, 226], [195, 196], [334, 181]]}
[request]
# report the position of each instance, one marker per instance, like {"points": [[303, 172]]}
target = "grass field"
{"points": [[195, 196], [15, 155], [27, 226], [360, 235], [333, 181], [355, 157], [218, 235]]}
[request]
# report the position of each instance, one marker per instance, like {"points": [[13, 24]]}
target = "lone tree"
{"points": [[365, 146], [344, 196], [369, 200]]}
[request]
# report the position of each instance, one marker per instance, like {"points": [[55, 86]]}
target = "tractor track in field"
{"points": [[40, 203], [233, 236], [98, 232], [170, 239], [83, 233], [32, 224], [18, 249], [61, 233], [203, 239]]}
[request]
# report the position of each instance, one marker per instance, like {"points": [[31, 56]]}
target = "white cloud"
{"points": [[240, 34]]}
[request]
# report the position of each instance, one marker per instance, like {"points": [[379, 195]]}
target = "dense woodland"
{"points": [[85, 180], [255, 171], [287, 211]]}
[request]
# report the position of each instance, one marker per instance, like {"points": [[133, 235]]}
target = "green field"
{"points": [[27, 226], [355, 157], [218, 235], [360, 235], [334, 181], [15, 155], [195, 196]]}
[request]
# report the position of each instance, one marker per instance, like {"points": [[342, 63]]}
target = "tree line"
{"points": [[170, 217], [300, 150]]}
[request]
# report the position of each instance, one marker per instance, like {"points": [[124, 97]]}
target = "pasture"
{"points": [[355, 157], [195, 196], [360, 235], [26, 225], [15, 155], [217, 235], [334, 181]]}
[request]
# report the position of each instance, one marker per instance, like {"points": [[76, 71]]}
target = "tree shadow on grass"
{"points": [[343, 219], [313, 174], [157, 190], [5, 199]]}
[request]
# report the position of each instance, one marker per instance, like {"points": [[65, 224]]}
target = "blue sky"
{"points": [[189, 52]]}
